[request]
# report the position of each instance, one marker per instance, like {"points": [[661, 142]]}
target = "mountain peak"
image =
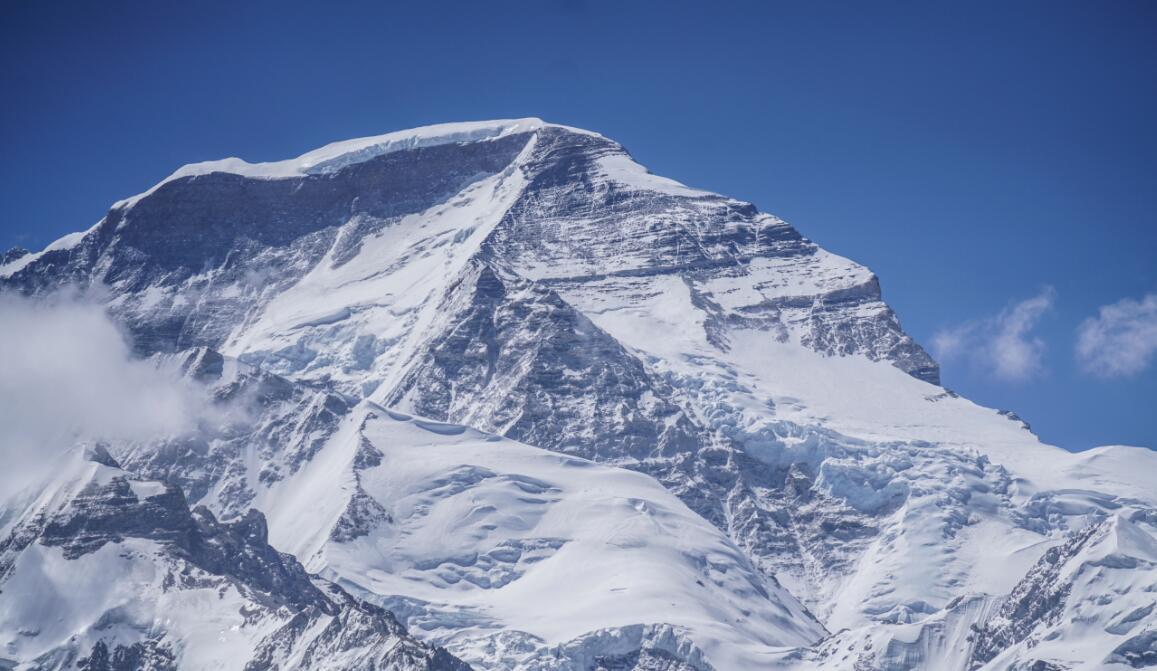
{"points": [[337, 155]]}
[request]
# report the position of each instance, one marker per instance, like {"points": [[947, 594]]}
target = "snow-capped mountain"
{"points": [[781, 482]]}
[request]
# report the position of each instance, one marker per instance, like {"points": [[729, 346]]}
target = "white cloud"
{"points": [[67, 376], [948, 343], [1121, 340], [1002, 345]]}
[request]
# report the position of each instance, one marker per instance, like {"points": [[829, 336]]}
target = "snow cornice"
{"points": [[337, 155]]}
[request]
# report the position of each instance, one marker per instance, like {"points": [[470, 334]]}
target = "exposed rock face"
{"points": [[265, 429], [13, 254], [515, 358], [1037, 601], [142, 535], [593, 222], [1110, 561], [151, 656]]}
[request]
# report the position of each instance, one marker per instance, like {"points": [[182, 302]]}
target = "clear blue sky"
{"points": [[972, 154]]}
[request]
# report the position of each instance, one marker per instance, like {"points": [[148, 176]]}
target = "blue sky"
{"points": [[995, 163]]}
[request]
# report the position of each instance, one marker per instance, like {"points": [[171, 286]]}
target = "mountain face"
{"points": [[105, 572], [552, 411]]}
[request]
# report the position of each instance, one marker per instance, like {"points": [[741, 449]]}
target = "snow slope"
{"points": [[484, 535], [104, 572]]}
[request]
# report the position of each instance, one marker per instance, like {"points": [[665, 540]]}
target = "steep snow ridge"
{"points": [[621, 169], [304, 509], [811, 389], [63, 243], [337, 155], [387, 292], [1087, 604], [479, 530]]}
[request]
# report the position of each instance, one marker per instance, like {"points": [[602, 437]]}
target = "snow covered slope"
{"points": [[1086, 604], [457, 533], [484, 544], [531, 281], [102, 571]]}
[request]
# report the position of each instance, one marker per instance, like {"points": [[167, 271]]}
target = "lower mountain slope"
{"points": [[106, 572], [508, 556], [514, 557]]}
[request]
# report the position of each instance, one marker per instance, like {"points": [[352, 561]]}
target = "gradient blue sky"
{"points": [[974, 155]]}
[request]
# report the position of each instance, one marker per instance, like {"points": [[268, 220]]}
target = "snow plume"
{"points": [[1004, 344], [67, 377], [1121, 340]]}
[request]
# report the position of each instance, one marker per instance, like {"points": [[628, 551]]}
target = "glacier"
{"points": [[542, 409]]}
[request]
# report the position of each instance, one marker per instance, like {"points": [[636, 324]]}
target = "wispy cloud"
{"points": [[1003, 345], [1121, 340], [68, 377]]}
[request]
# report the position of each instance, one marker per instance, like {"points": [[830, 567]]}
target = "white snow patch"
{"points": [[622, 169], [65, 242]]}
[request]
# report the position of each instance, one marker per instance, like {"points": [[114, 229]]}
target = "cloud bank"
{"points": [[1002, 345], [68, 377], [1121, 340]]}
